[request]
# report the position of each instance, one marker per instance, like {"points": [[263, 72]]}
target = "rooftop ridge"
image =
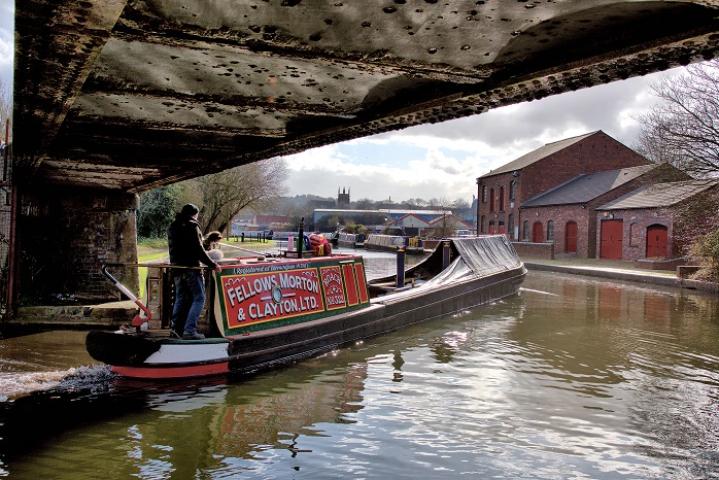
{"points": [[539, 153], [575, 136]]}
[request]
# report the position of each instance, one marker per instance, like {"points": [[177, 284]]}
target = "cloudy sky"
{"points": [[7, 8], [443, 160]]}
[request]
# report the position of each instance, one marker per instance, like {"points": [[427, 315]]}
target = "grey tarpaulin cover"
{"points": [[471, 258]]}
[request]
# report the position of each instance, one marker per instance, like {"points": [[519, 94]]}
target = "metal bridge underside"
{"points": [[127, 95]]}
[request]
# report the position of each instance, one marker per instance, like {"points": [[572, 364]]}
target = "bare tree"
{"points": [[460, 203], [223, 195], [5, 105], [684, 128]]}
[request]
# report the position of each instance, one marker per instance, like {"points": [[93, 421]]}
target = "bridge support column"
{"points": [[64, 237]]}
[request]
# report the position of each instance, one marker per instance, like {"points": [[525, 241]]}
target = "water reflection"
{"points": [[202, 432], [573, 378]]}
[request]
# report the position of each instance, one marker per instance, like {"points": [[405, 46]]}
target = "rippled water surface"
{"points": [[573, 378]]}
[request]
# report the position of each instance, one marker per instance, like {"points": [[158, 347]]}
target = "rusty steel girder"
{"points": [[133, 94]]}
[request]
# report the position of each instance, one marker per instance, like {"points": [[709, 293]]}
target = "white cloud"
{"points": [[453, 154], [6, 51], [322, 170]]}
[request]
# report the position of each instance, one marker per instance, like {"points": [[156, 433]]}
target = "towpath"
{"points": [[618, 270]]}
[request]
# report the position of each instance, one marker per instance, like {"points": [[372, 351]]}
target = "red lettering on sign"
{"points": [[333, 287]]}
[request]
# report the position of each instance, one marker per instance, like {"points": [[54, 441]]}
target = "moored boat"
{"points": [[275, 311]]}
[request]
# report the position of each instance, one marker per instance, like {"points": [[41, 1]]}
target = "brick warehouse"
{"points": [[502, 191], [641, 224], [566, 214]]}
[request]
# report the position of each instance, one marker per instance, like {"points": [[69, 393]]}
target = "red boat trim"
{"points": [[361, 283], [173, 372], [350, 284]]}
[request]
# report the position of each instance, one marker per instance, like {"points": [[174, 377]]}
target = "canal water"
{"points": [[572, 378]]}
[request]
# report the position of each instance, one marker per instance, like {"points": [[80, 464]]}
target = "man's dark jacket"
{"points": [[185, 242]]}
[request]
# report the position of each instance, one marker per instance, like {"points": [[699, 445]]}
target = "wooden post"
{"points": [[445, 254], [301, 239], [400, 267]]}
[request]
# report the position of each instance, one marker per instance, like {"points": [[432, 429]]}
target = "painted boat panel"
{"points": [[266, 295]]}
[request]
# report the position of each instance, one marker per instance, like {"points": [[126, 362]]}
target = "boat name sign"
{"points": [[262, 296]]}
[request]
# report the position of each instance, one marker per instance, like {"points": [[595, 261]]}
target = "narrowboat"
{"points": [[270, 312]]}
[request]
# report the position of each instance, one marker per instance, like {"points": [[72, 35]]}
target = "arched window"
{"points": [[525, 230], [481, 224], [570, 237], [657, 241], [484, 194], [510, 227], [512, 190], [550, 230], [633, 235], [501, 199], [537, 232], [491, 199]]}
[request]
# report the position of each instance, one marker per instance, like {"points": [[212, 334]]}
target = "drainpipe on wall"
{"points": [[479, 207]]}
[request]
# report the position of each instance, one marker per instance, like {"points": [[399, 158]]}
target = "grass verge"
{"points": [[149, 250]]}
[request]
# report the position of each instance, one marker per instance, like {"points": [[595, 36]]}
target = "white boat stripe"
{"points": [[186, 353]]}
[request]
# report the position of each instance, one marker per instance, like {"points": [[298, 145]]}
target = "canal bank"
{"points": [[625, 271]]}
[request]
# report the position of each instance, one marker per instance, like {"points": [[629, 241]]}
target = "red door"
{"points": [[537, 234], [611, 239], [656, 241], [570, 237]]}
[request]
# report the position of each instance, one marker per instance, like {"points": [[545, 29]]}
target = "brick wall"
{"points": [[586, 217], [596, 153], [560, 215], [64, 238], [636, 221], [534, 250], [494, 185]]}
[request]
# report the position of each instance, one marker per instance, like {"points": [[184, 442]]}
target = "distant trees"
{"points": [[683, 129], [223, 195], [364, 204], [358, 228], [219, 197], [410, 204], [157, 210], [448, 223], [348, 223], [460, 203]]}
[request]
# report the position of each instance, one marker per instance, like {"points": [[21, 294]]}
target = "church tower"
{"points": [[343, 199]]}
